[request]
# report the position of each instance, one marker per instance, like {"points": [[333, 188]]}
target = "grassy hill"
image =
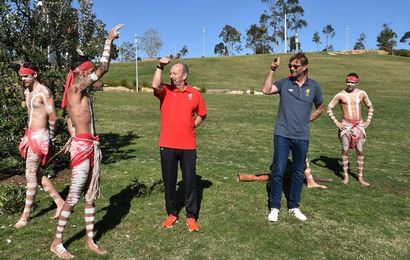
{"points": [[344, 221], [248, 72]]}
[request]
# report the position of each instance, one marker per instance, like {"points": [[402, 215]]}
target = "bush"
{"points": [[13, 117], [402, 52], [124, 83], [12, 200], [202, 89]]}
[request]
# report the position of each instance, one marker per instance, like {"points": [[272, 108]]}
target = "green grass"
{"points": [[344, 221]]}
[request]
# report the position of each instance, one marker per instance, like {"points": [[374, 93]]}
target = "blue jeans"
{"points": [[282, 147]]}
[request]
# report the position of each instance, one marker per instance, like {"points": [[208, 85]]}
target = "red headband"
{"points": [[70, 79], [24, 70], [86, 66], [352, 79]]}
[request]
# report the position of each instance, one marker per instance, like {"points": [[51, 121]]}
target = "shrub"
{"points": [[124, 83], [12, 200], [402, 52], [202, 89]]}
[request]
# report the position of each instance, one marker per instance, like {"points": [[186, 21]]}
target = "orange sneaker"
{"points": [[192, 225], [170, 221]]}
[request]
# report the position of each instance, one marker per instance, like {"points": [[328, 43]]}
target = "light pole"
{"points": [[136, 63], [347, 38], [203, 38]]}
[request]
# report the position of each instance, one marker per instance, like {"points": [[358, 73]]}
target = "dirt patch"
{"points": [[9, 178]]}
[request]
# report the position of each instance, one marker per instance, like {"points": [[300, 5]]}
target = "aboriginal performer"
{"points": [[34, 145], [352, 133], [84, 149]]}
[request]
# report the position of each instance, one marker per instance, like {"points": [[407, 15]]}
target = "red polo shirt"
{"points": [[178, 109]]}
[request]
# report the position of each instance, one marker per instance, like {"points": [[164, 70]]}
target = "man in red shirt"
{"points": [[182, 110]]}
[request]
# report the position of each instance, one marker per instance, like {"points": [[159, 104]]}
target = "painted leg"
{"points": [[49, 188], [345, 164], [57, 246], [32, 162], [89, 215], [78, 179], [360, 162]]}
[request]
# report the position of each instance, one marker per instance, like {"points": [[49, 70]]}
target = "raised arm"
{"points": [[105, 59], [157, 78], [268, 88]]}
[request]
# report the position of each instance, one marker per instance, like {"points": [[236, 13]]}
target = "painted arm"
{"points": [[51, 112], [268, 88], [331, 105], [370, 110], [157, 79], [88, 81]]}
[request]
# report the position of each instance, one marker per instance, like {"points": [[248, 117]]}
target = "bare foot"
{"points": [[311, 183], [60, 251], [21, 223], [94, 248], [346, 179], [58, 211], [315, 185], [364, 183]]}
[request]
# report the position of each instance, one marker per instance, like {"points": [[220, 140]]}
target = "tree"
{"points": [[221, 50], [257, 38], [386, 39], [293, 46], [405, 37], [232, 39], [49, 32], [127, 50], [91, 31], [359, 45], [316, 39], [328, 31], [183, 51], [151, 42], [276, 15]]}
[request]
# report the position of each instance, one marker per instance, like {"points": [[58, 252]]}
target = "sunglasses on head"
{"points": [[294, 66]]}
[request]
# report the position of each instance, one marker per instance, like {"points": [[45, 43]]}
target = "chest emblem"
{"points": [[307, 93], [190, 96]]}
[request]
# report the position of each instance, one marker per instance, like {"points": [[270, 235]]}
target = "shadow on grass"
{"points": [[201, 185], [119, 207], [52, 206], [331, 164], [112, 147]]}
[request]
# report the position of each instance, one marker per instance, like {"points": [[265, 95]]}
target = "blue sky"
{"points": [[181, 22]]}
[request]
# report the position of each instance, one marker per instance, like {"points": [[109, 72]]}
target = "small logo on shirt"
{"points": [[290, 90], [190, 96], [307, 93]]}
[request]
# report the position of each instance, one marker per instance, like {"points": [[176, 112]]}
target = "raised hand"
{"points": [[275, 63], [164, 61], [114, 33]]}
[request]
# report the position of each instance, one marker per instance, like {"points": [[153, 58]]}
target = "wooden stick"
{"points": [[63, 149], [246, 177]]}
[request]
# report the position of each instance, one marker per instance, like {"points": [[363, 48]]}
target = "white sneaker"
{"points": [[273, 215], [298, 214]]}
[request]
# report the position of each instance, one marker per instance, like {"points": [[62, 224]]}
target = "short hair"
{"points": [[30, 65], [353, 75], [300, 56]]}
